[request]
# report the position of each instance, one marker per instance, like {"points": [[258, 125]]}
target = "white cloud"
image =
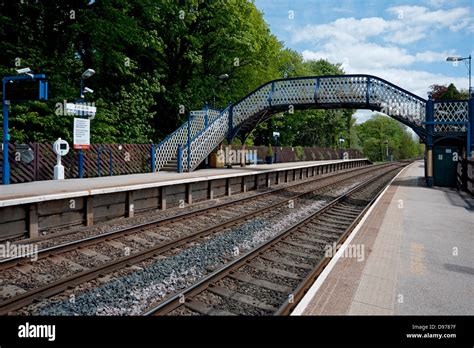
{"points": [[346, 29], [416, 81], [407, 35], [411, 24], [407, 13], [362, 55], [430, 56], [388, 63], [419, 15], [417, 21], [437, 3], [363, 115], [352, 42], [370, 55]]}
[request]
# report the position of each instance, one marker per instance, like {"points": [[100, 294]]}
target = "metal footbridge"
{"points": [[190, 144]]}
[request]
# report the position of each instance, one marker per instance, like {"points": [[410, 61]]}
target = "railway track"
{"points": [[260, 199], [272, 278], [103, 264]]}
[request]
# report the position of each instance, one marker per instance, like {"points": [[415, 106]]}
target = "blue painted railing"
{"points": [[110, 159]]}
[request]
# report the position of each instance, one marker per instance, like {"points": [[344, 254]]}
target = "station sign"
{"points": [[81, 109], [81, 137], [34, 89], [24, 153]]}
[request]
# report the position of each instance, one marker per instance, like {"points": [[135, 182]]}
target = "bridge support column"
{"points": [[429, 141], [230, 133], [179, 167], [470, 134], [429, 166]]}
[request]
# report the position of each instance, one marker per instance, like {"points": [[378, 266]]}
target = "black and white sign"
{"points": [[82, 132], [82, 109]]}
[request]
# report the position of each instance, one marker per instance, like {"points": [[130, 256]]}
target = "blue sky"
{"points": [[405, 42]]}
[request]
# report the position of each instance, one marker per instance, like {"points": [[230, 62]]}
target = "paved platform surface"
{"points": [[418, 256], [43, 190]]}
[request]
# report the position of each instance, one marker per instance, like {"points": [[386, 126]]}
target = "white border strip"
{"points": [[322, 277], [123, 188]]}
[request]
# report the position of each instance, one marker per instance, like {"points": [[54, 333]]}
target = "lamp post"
{"points": [[458, 59], [276, 136], [85, 75], [341, 140], [220, 77], [6, 138]]}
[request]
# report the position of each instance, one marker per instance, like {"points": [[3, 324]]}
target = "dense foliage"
{"points": [[381, 135], [450, 92], [155, 61]]}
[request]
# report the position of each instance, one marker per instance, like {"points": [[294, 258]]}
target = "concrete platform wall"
{"points": [[28, 220]]}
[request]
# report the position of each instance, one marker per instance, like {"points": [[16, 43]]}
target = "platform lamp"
{"points": [[220, 77], [85, 75], [276, 136], [341, 140], [458, 59]]}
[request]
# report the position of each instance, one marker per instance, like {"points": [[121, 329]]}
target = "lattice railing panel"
{"points": [[207, 141], [454, 111], [197, 123], [251, 105], [396, 102], [292, 92], [342, 90], [168, 148], [212, 115]]}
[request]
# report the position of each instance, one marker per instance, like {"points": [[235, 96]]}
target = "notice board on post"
{"points": [[82, 127]]}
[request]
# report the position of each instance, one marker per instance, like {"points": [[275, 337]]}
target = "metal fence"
{"points": [[34, 161], [296, 154], [465, 175]]}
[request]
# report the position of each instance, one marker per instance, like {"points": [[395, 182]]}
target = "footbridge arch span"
{"points": [[328, 92]]}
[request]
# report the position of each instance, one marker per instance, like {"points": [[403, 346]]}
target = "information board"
{"points": [[82, 128], [26, 90]]}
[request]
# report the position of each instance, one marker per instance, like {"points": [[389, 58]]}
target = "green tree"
{"points": [[450, 92], [151, 59], [381, 131], [62, 39]]}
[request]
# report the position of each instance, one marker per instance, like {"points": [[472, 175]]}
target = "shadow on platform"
{"points": [[459, 199], [455, 197], [459, 269], [413, 181]]}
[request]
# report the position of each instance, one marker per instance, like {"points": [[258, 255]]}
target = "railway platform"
{"points": [[414, 256], [27, 209]]}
